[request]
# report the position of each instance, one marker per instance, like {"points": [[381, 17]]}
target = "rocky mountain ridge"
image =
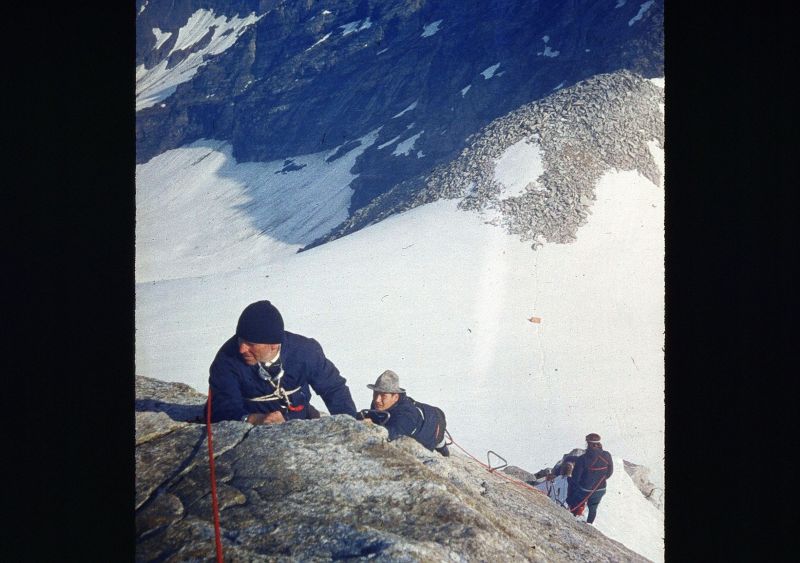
{"points": [[603, 123], [331, 489]]}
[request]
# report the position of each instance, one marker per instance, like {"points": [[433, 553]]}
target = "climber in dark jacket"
{"points": [[262, 374], [588, 482], [402, 416]]}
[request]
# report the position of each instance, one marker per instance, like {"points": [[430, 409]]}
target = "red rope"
{"points": [[579, 507], [490, 470], [214, 504]]}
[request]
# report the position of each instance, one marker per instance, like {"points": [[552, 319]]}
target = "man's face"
{"points": [[384, 401], [252, 352]]}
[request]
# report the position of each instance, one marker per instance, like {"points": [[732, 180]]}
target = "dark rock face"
{"points": [[278, 93], [331, 489]]}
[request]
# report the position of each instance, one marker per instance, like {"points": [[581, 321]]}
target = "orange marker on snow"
{"points": [[536, 320]]}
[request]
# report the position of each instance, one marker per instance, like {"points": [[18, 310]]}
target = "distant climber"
{"points": [[556, 483], [403, 416], [588, 482], [262, 374]]}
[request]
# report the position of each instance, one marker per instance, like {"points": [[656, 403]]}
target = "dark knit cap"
{"points": [[260, 323]]}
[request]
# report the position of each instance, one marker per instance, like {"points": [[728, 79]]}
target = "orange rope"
{"points": [[214, 504], [490, 470], [578, 508]]}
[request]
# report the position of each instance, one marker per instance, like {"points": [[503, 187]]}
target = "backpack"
{"points": [[431, 432]]}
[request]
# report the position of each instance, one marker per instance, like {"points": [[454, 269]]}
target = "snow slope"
{"points": [[199, 212]]}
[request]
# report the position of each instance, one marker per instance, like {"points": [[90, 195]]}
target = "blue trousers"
{"points": [[592, 503], [577, 494]]}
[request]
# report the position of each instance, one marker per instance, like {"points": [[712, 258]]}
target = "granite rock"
{"points": [[335, 488]]}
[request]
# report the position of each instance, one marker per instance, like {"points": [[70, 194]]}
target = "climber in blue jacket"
{"points": [[588, 482], [262, 374], [403, 416]]}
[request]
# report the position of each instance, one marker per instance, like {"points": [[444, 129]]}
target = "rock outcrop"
{"points": [[601, 124], [641, 478], [330, 489]]}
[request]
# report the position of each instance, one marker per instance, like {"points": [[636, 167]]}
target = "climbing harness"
{"points": [[577, 510], [278, 393], [214, 502]]}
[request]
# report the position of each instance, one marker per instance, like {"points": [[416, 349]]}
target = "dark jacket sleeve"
{"points": [[402, 423], [227, 402], [326, 381], [577, 471], [610, 464]]}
